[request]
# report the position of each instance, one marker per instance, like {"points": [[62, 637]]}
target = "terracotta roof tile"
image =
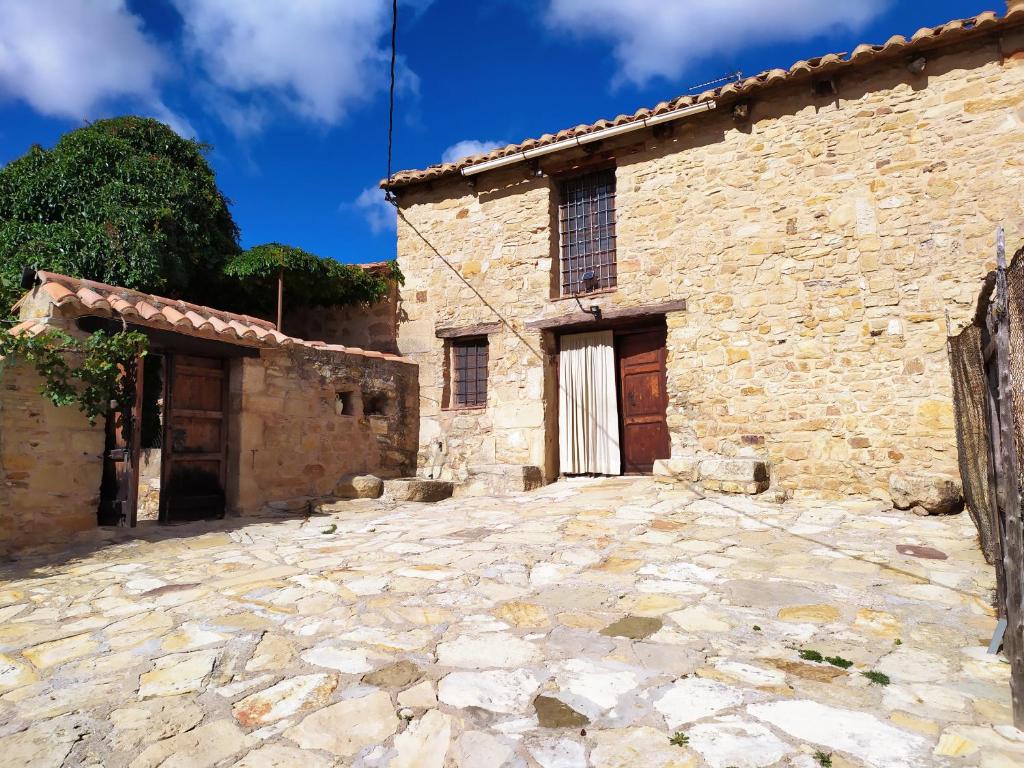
{"points": [[923, 39], [93, 298]]}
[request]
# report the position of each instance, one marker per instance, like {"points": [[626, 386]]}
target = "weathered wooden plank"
{"points": [[1008, 476], [478, 329], [608, 313]]}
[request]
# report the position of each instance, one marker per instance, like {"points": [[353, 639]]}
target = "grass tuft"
{"points": [[679, 739], [824, 759], [839, 661], [809, 655], [329, 529], [878, 678]]}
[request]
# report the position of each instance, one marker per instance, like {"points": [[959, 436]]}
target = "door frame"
{"points": [[619, 327]]}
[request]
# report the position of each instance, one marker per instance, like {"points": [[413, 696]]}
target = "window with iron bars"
{"points": [[469, 365], [586, 232]]}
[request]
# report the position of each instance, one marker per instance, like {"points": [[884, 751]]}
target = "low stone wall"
{"points": [[307, 417], [51, 464]]}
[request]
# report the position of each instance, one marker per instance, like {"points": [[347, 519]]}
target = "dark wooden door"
{"points": [[194, 460], [643, 398], [119, 486]]}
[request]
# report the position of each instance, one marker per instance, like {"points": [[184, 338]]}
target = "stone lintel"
{"points": [[611, 313], [480, 329]]}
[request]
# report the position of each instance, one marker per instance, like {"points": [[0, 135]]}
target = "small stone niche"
{"points": [[377, 404], [345, 403]]}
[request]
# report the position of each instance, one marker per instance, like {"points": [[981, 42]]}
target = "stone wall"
{"points": [[306, 417], [817, 246], [366, 327], [51, 464]]}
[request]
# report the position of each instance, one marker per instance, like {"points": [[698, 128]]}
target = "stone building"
{"points": [[236, 418], [761, 270]]}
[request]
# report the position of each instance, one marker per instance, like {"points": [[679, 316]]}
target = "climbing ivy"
{"points": [[309, 280], [96, 377]]}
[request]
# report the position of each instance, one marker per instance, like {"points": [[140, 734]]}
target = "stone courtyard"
{"points": [[608, 623]]}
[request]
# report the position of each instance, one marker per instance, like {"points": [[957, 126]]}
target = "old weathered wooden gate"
{"points": [[194, 461], [987, 364], [119, 487]]}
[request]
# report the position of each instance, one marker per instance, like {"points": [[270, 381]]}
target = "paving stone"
{"points": [[280, 756], [57, 652], [425, 743], [733, 742], [177, 673], [493, 690], [351, 661], [816, 614], [287, 698], [493, 650], [558, 753], [420, 696], [399, 675], [691, 699], [552, 713], [862, 735], [522, 614], [642, 747], [479, 749], [633, 627], [152, 721], [14, 674], [43, 744], [345, 728], [273, 652], [203, 747]]}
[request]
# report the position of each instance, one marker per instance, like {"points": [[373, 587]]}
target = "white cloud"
{"points": [[69, 58], [661, 38], [378, 212], [468, 147], [318, 58]]}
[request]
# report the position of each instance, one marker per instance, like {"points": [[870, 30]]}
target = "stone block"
{"points": [[418, 489], [926, 493], [747, 475], [359, 487], [678, 470], [500, 479]]}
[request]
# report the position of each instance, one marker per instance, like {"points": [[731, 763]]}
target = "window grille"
{"points": [[586, 228], [470, 366]]}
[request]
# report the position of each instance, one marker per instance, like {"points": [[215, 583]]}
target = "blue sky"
{"points": [[292, 94]]}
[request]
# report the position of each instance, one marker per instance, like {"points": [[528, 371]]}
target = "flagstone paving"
{"points": [[593, 623]]}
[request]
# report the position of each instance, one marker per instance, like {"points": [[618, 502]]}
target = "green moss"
{"points": [[839, 661], [809, 655]]}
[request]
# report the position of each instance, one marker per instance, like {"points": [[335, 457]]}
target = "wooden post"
{"points": [[1008, 475], [280, 296]]}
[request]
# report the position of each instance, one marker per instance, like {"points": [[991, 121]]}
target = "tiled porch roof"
{"points": [[87, 297], [897, 46]]}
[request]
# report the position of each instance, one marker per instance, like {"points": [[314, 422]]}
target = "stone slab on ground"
{"points": [[418, 489], [735, 475]]}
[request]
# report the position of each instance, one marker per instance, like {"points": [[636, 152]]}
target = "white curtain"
{"points": [[588, 417]]}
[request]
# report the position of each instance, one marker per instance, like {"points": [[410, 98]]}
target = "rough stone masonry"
{"points": [[818, 246]]}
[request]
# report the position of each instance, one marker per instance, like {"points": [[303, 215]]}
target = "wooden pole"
{"points": [[1008, 474], [280, 297]]}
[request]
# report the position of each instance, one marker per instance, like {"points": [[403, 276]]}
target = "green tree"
{"points": [[125, 201]]}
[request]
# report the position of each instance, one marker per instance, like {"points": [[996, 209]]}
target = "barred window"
{"points": [[470, 368], [586, 229]]}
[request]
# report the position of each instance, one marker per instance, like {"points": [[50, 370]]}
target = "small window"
{"points": [[586, 233], [344, 404], [469, 364]]}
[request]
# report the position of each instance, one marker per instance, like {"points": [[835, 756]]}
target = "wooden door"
{"points": [[194, 461], [119, 486], [643, 398]]}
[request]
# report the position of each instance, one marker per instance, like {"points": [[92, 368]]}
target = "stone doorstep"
{"points": [[500, 479], [740, 474]]}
